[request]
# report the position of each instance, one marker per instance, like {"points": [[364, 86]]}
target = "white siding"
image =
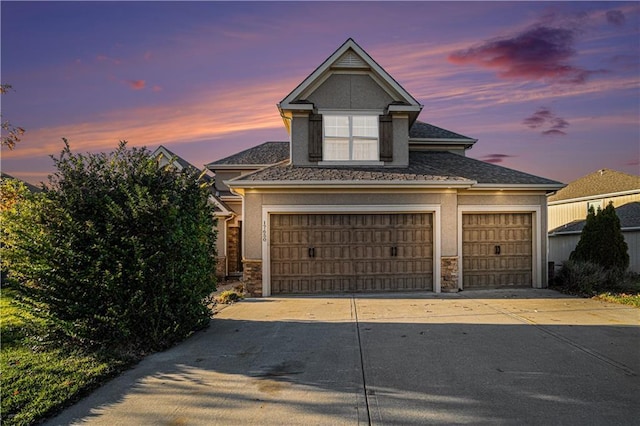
{"points": [[561, 214]]}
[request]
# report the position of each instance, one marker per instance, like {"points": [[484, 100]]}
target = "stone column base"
{"points": [[449, 274], [221, 267], [252, 277]]}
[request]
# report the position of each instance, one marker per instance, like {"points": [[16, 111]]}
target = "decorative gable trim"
{"points": [[350, 56]]}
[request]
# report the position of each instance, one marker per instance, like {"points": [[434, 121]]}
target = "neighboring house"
{"points": [[222, 212], [29, 186], [366, 198], [567, 210], [230, 228]]}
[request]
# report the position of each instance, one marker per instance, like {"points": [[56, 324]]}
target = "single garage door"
{"points": [[497, 250], [333, 253]]}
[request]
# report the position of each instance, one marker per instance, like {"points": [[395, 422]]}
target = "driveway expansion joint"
{"points": [[354, 310]]}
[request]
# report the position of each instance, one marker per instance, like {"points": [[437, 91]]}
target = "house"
{"points": [[364, 197], [567, 210]]}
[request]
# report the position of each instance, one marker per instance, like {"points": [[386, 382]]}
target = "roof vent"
{"points": [[350, 60]]}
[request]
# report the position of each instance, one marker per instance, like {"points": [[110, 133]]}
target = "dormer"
{"points": [[349, 112]]}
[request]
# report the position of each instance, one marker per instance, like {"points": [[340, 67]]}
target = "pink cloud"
{"points": [[544, 117], [136, 84], [538, 53], [496, 158], [206, 116], [156, 88]]}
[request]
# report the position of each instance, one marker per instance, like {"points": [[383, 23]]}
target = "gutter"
{"points": [[327, 184], [512, 186]]}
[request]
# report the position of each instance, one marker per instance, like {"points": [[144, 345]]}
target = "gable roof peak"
{"points": [[348, 56]]}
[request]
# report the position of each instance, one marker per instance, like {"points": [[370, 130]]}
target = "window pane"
{"points": [[365, 125], [365, 149], [336, 125], [336, 149]]}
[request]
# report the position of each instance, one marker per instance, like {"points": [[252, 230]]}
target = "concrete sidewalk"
{"points": [[489, 357]]}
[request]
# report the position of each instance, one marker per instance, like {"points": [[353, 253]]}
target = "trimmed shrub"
{"points": [[117, 250], [581, 277]]}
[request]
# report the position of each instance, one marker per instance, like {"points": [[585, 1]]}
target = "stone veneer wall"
{"points": [[221, 270], [233, 249], [253, 277], [449, 271]]}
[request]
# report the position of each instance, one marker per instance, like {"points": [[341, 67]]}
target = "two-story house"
{"points": [[364, 197]]}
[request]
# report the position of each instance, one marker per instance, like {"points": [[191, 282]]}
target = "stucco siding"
{"points": [[400, 141], [300, 140], [447, 200], [254, 202], [345, 91]]}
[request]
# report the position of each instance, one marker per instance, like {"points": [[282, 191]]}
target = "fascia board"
{"points": [[516, 186], [295, 107], [405, 108], [238, 167], [347, 184], [441, 140]]}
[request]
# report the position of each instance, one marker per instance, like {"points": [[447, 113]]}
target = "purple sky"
{"points": [[549, 88]]}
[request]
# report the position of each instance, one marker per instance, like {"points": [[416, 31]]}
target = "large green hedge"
{"points": [[116, 250]]}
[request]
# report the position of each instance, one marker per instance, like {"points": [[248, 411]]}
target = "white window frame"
{"points": [[350, 115]]}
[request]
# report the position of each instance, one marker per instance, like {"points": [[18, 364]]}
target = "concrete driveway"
{"points": [[489, 357]]}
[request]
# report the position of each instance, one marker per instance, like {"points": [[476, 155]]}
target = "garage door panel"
{"points": [[351, 252], [497, 250]]}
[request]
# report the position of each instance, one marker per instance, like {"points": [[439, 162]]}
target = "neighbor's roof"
{"points": [[261, 155], [425, 168], [629, 215], [29, 186], [181, 161], [421, 130], [601, 182]]}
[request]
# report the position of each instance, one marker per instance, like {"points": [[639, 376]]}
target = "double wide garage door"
{"points": [[496, 250], [325, 253]]}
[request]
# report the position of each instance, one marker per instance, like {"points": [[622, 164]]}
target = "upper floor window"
{"points": [[350, 138]]}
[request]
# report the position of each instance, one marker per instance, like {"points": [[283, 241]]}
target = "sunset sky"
{"points": [[549, 88]]}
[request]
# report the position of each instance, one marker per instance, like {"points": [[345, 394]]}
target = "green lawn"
{"points": [[37, 379]]}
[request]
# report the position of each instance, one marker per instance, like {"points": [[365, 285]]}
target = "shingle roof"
{"points": [[263, 154], [421, 130], [601, 182], [425, 166], [629, 215]]}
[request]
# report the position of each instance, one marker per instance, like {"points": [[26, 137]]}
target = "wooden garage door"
{"points": [[496, 250], [325, 253]]}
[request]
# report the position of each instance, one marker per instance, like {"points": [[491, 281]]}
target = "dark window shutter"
{"points": [[315, 137], [386, 138]]}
